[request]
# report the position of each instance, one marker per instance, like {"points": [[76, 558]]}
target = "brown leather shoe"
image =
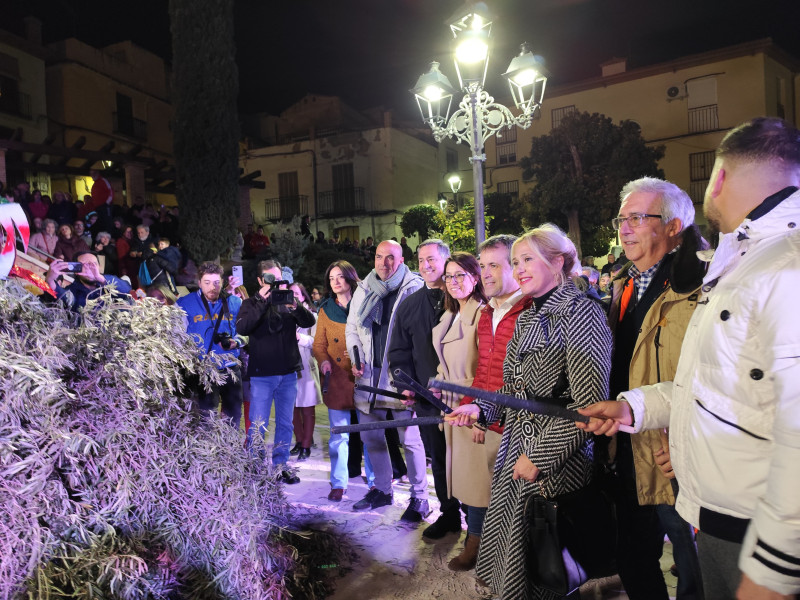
{"points": [[336, 495], [468, 557]]}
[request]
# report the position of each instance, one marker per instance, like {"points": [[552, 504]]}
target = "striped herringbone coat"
{"points": [[564, 346]]}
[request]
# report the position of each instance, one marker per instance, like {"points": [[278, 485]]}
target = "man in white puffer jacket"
{"points": [[733, 408]]}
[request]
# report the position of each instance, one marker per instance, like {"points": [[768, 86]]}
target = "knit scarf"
{"points": [[335, 313], [376, 290]]}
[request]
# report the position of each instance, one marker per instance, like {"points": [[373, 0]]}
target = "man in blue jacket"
{"points": [[211, 320]]}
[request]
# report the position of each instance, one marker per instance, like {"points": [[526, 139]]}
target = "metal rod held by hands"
{"points": [[539, 406], [409, 382], [387, 424], [380, 391]]}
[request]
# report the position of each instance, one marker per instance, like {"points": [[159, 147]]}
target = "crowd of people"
{"points": [[698, 351], [122, 239]]}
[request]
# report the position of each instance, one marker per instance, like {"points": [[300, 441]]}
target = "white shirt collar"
{"points": [[509, 302]]}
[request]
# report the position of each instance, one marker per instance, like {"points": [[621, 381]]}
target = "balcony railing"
{"points": [[282, 209], [130, 126], [345, 201], [703, 118]]}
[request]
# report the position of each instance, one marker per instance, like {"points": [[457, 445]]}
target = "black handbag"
{"points": [[570, 539]]}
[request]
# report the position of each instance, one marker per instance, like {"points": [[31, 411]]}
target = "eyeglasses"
{"points": [[459, 277], [633, 220]]}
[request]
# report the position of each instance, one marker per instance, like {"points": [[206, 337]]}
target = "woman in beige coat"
{"points": [[469, 465]]}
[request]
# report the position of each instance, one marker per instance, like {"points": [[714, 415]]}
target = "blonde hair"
{"points": [[548, 242]]}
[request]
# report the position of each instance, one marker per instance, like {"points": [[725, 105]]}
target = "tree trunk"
{"points": [[573, 217], [206, 125], [574, 233]]}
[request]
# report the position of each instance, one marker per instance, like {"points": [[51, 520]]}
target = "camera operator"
{"points": [[211, 320], [88, 283], [271, 318]]}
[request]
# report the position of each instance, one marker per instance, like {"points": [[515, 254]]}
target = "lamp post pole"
{"points": [[477, 159], [478, 116]]}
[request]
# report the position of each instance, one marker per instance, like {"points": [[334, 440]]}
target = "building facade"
{"points": [[686, 105], [116, 99], [353, 173], [23, 108]]}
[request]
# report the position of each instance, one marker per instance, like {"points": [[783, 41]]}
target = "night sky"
{"points": [[370, 52]]}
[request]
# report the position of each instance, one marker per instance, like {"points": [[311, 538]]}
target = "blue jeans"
{"points": [[475, 517], [339, 452], [283, 388], [684, 551]]}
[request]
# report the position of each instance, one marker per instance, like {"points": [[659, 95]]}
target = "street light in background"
{"points": [[455, 184], [478, 115], [442, 202]]}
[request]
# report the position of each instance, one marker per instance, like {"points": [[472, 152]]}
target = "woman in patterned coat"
{"points": [[561, 348]]}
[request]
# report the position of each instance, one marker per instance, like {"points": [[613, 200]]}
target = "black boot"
{"points": [[449, 522]]}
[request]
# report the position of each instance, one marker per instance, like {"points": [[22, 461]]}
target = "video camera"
{"points": [[277, 296]]}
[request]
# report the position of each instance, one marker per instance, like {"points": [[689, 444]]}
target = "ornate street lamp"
{"points": [[455, 184], [478, 115]]}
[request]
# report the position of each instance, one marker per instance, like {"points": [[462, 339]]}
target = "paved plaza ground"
{"points": [[392, 560]]}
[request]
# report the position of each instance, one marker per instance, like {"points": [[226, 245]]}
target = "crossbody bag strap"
{"points": [[219, 318]]}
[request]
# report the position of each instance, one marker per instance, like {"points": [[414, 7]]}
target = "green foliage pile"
{"points": [[206, 125], [111, 486], [578, 170]]}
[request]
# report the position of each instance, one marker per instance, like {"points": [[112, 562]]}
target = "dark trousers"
{"points": [[639, 548], [355, 450], [230, 393], [719, 563], [684, 553], [436, 448], [393, 443]]}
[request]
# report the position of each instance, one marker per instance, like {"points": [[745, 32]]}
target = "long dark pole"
{"points": [[387, 424], [537, 406]]}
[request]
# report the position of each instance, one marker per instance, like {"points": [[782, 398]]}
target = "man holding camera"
{"points": [[88, 283], [271, 318], [211, 320]]}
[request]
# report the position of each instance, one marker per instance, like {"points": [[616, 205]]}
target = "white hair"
{"points": [[675, 203]]}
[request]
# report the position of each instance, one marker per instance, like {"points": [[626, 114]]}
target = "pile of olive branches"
{"points": [[110, 485]]}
